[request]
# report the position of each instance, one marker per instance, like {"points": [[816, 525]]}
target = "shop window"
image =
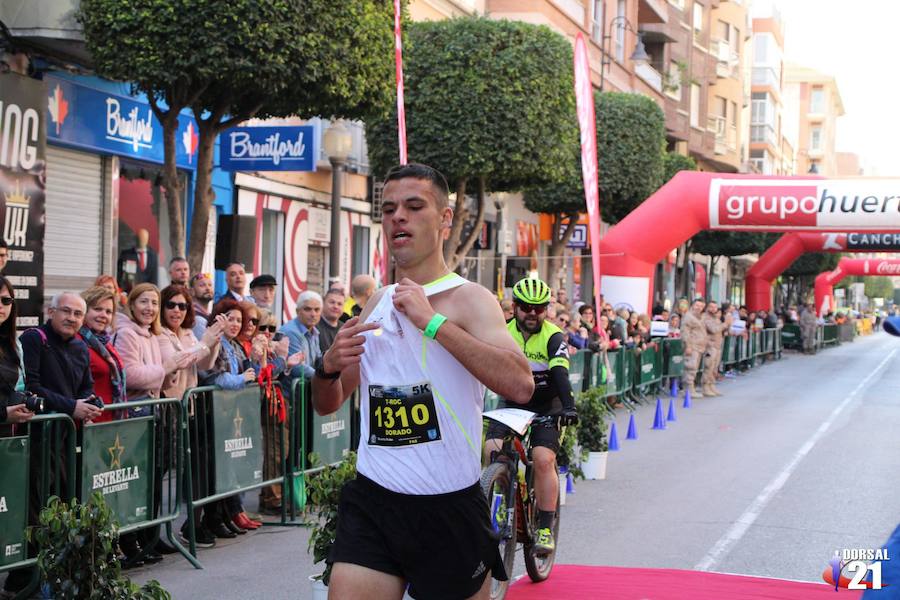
{"points": [[143, 234]]}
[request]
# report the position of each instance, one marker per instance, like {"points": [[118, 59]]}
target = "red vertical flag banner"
{"points": [[401, 111], [587, 123]]}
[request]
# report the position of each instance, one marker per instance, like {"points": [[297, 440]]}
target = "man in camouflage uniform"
{"points": [[693, 333], [808, 325], [715, 331]]}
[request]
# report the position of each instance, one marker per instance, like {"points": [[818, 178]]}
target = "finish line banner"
{"points": [[797, 204]]}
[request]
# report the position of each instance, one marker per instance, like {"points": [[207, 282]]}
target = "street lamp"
{"points": [[639, 55], [338, 144]]}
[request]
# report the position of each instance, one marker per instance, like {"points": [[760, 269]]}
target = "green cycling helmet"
{"points": [[531, 291]]}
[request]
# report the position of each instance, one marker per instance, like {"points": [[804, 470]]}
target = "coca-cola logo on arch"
{"points": [[882, 267]]}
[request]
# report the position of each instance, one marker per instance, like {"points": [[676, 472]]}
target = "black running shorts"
{"points": [[442, 545]]}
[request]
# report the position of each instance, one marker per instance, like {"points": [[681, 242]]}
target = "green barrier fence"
{"points": [[791, 338], [830, 336], [137, 464], [673, 358], [38, 461], [236, 444], [580, 372], [648, 370], [325, 437]]}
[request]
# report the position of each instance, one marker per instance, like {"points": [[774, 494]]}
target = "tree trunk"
{"points": [[685, 278], [203, 194], [709, 275], [558, 246], [460, 215], [172, 184], [463, 249]]}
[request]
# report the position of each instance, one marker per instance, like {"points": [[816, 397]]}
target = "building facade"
{"points": [[815, 107]]}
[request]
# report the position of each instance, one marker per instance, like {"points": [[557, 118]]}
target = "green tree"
{"points": [[800, 276], [631, 135], [490, 104], [674, 162], [231, 61], [564, 201], [876, 287], [879, 287]]}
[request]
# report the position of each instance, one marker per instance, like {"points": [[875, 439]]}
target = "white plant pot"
{"points": [[319, 589], [562, 489], [595, 465]]}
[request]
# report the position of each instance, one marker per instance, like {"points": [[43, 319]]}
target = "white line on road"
{"points": [[743, 523]]}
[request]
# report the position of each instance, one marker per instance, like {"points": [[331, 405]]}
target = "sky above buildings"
{"points": [[856, 43]]}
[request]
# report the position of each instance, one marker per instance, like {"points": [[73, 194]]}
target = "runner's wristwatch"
{"points": [[321, 373]]}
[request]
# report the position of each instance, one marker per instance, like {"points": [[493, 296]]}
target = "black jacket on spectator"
{"points": [[327, 333], [55, 369], [9, 376]]}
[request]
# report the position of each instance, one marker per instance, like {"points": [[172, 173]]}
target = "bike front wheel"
{"points": [[539, 567], [498, 490]]}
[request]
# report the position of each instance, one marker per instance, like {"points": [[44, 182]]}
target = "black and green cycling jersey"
{"points": [[548, 356]]}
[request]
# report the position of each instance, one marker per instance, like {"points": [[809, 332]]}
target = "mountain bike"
{"points": [[508, 485]]}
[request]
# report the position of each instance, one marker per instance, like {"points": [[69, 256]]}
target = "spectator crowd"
{"points": [[701, 326], [104, 346]]}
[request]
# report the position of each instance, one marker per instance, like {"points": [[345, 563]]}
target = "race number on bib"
{"points": [[402, 415]]}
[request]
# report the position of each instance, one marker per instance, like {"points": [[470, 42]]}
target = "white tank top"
{"points": [[420, 409]]}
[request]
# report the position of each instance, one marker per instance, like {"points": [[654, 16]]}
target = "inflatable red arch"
{"points": [[694, 201], [792, 246], [825, 282]]}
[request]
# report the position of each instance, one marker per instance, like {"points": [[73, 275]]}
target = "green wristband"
{"points": [[434, 324]]}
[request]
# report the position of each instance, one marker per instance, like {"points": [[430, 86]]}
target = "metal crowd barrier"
{"points": [[232, 441], [38, 461], [328, 437], [830, 335], [137, 464]]}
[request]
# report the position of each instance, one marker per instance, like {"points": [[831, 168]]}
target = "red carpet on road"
{"points": [[572, 582]]}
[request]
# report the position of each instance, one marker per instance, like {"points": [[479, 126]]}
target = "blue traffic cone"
{"points": [[674, 392], [671, 416], [687, 399], [632, 429], [659, 422], [613, 438], [570, 484]]}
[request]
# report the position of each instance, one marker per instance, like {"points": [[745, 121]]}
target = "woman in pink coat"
{"points": [[137, 342]]}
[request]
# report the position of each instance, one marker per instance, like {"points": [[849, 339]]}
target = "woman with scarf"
{"points": [[107, 370]]}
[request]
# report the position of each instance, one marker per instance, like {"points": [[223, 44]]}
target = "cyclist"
{"points": [[544, 345], [415, 512]]}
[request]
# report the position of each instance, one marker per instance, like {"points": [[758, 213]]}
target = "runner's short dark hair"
{"points": [[420, 171]]}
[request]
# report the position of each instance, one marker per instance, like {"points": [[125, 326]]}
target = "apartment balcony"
{"points": [[766, 76], [653, 11], [727, 60], [763, 133], [650, 75], [725, 135]]}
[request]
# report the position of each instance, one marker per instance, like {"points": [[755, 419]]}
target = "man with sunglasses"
{"points": [[544, 345]]}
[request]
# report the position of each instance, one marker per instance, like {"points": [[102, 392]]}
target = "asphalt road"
{"points": [[797, 459]]}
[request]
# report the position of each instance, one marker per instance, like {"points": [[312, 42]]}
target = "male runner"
{"points": [[544, 345], [422, 352]]}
